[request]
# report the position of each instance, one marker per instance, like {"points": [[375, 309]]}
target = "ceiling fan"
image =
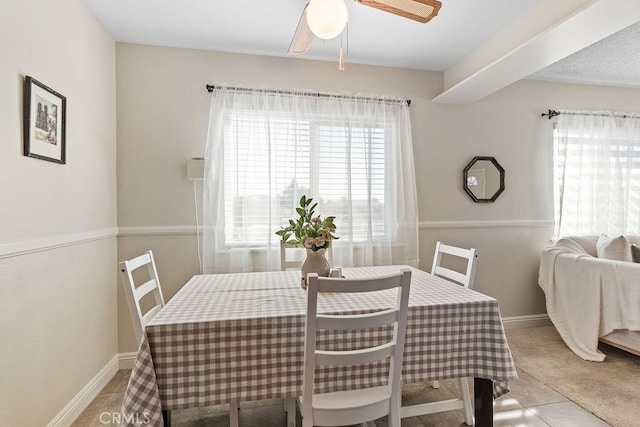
{"points": [[329, 17]]}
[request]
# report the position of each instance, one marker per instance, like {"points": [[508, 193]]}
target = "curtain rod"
{"points": [[553, 113], [211, 88]]}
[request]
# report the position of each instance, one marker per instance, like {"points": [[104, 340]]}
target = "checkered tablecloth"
{"points": [[239, 337]]}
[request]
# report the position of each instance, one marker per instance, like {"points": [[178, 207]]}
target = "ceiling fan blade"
{"points": [[418, 10], [303, 36]]}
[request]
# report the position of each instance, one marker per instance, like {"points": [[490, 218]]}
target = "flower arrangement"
{"points": [[310, 232]]}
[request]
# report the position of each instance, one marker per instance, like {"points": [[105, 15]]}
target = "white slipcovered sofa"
{"points": [[591, 298]]}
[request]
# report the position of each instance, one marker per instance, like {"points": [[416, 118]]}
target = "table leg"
{"points": [[290, 409], [233, 414], [166, 418], [483, 401]]}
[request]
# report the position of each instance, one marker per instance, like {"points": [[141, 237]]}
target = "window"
{"points": [[274, 160], [266, 149], [597, 174]]}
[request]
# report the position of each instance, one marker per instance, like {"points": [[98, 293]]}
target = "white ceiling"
{"points": [[265, 27], [480, 45]]}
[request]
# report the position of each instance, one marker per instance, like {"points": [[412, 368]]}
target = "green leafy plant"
{"points": [[309, 231]]}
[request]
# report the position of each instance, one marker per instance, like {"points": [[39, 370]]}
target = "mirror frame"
{"points": [[465, 176]]}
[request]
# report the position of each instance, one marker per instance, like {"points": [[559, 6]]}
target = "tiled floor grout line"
{"points": [[555, 403]]}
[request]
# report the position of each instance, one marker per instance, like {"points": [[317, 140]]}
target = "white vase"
{"points": [[316, 262]]}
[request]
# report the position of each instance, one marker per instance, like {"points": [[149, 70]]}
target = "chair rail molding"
{"points": [[185, 230], [160, 230], [508, 223], [25, 247]]}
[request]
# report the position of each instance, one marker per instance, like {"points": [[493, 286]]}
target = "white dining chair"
{"points": [[288, 261], [466, 279], [134, 293], [360, 406]]}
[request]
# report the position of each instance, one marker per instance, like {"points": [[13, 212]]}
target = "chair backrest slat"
{"points": [[145, 288], [470, 255], [354, 357], [335, 284], [138, 262], [450, 274], [357, 321]]}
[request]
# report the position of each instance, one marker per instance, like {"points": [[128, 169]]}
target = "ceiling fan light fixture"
{"points": [[327, 18], [418, 10]]}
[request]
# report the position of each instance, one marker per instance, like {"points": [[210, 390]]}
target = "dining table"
{"points": [[239, 337]]}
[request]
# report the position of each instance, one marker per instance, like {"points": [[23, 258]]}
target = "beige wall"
{"points": [[58, 324], [162, 122]]}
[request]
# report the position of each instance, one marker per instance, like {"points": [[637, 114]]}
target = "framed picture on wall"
{"points": [[45, 115]]}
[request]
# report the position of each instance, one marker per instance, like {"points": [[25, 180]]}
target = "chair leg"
{"points": [[465, 394], [395, 410], [435, 384], [290, 410], [233, 414]]}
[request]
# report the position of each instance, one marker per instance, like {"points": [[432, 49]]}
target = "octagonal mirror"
{"points": [[483, 179]]}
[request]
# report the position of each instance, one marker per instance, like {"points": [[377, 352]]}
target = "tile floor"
{"points": [[529, 404]]}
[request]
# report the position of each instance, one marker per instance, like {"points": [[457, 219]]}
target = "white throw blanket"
{"points": [[589, 297]]}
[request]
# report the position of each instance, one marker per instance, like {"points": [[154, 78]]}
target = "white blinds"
{"points": [[597, 173], [266, 150]]}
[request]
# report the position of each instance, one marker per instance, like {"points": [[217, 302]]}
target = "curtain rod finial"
{"points": [[551, 114]]}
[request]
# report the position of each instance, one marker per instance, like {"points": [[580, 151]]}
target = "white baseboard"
{"points": [[85, 396], [531, 321], [125, 360]]}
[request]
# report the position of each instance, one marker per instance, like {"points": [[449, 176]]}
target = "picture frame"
{"points": [[44, 122]]}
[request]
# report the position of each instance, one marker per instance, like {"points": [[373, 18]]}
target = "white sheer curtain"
{"points": [[266, 149], [597, 173]]}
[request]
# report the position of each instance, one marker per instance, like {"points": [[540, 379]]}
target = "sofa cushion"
{"points": [[635, 251], [614, 248], [571, 245], [588, 243]]}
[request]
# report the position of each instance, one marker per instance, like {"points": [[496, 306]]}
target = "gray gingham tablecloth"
{"points": [[239, 337]]}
